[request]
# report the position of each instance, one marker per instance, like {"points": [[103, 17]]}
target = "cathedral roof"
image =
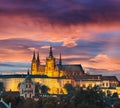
{"points": [[72, 67]]}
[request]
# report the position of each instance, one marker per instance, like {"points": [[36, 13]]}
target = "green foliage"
{"points": [[71, 91], [49, 102], [117, 104], [69, 88], [37, 88], [44, 89], [76, 98], [89, 98], [1, 87], [18, 86], [115, 95]]}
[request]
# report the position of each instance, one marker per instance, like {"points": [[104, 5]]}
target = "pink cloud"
{"points": [[103, 61]]}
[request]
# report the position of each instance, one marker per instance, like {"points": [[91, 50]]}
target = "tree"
{"points": [[89, 98], [44, 89], [1, 87], [117, 104], [37, 88], [49, 102], [18, 87], [69, 88]]}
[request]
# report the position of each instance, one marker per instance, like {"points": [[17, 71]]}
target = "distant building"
{"points": [[3, 104], [27, 87], [106, 82]]}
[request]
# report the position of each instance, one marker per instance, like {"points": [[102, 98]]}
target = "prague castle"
{"points": [[51, 69], [56, 75]]}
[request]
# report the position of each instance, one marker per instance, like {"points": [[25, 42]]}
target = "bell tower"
{"points": [[50, 64], [34, 65]]}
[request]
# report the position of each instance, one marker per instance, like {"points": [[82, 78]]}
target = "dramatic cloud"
{"points": [[86, 32], [64, 11]]}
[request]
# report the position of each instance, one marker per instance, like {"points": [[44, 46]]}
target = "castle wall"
{"points": [[55, 85]]}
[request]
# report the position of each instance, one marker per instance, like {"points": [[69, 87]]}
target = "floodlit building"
{"points": [[51, 69], [55, 76]]}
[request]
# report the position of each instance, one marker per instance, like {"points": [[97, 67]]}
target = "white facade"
{"points": [[27, 88]]}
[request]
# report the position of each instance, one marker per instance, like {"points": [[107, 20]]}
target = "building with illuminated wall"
{"points": [[51, 69], [55, 76]]}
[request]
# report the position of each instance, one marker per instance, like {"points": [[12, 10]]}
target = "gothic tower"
{"points": [[60, 60], [50, 64], [61, 72], [34, 65], [38, 62]]}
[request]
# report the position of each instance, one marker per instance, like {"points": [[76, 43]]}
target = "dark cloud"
{"points": [[23, 46], [19, 43], [13, 67], [5, 64], [64, 12], [101, 71], [14, 64]]}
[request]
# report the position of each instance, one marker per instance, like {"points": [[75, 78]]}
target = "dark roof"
{"points": [[88, 77], [110, 78], [68, 68], [22, 76], [28, 78], [72, 68]]}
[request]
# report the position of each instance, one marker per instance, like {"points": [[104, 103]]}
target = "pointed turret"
{"points": [[50, 53], [34, 64], [28, 73], [60, 60], [38, 60], [34, 58], [28, 77]]}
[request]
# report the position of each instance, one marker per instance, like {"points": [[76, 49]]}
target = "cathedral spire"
{"points": [[34, 58], [38, 60], [50, 53], [28, 73], [60, 60]]}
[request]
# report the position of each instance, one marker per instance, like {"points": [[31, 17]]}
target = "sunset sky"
{"points": [[86, 32]]}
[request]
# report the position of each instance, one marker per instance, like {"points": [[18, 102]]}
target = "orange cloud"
{"points": [[102, 61]]}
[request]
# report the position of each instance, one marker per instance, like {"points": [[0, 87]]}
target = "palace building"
{"points": [[55, 76]]}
